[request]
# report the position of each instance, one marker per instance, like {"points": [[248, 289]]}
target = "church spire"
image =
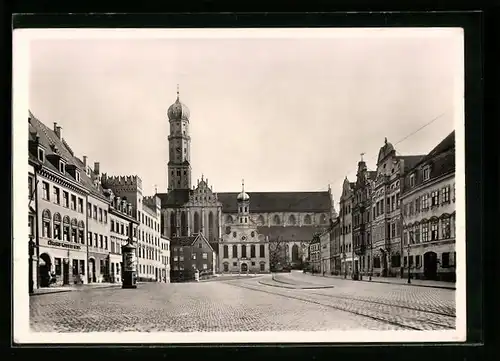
{"points": [[243, 185], [177, 91]]}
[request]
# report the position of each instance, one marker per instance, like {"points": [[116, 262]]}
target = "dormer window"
{"points": [[77, 176], [62, 167], [41, 155], [412, 180], [427, 173]]}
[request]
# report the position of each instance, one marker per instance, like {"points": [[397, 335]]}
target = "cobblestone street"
{"points": [[294, 302]]}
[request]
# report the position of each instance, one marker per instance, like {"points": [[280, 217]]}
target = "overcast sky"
{"points": [[285, 113]]}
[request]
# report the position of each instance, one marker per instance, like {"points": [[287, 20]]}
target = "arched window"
{"points": [[173, 224], [196, 222], [66, 230], [291, 219], [229, 219], [46, 223], [295, 253], [211, 226], [235, 251], [225, 251], [184, 230], [276, 219], [307, 219], [252, 251], [74, 230], [261, 221]]}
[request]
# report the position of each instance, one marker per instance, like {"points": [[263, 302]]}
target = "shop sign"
{"points": [[64, 245]]}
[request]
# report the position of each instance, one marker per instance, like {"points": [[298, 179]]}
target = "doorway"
{"points": [[92, 276], [44, 270], [244, 267], [430, 265], [66, 271]]}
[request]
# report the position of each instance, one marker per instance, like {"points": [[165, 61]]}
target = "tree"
{"points": [[277, 253]]}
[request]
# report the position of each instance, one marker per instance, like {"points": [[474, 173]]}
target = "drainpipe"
{"points": [[37, 168], [87, 236]]}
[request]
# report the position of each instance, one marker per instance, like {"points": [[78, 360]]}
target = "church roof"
{"points": [[290, 233], [174, 198], [278, 201]]}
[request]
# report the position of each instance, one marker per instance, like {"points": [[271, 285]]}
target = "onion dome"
{"points": [[242, 197], [178, 110]]}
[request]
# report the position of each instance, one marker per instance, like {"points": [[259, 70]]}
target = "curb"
{"points": [[394, 283], [71, 290]]}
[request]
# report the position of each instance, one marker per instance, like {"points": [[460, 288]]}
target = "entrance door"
{"points": [[244, 267], [66, 271], [430, 265], [92, 270]]}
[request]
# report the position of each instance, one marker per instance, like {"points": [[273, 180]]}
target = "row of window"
{"points": [[147, 269], [428, 231], [196, 226], [180, 267], [276, 220], [235, 264], [433, 199], [148, 253], [97, 240], [193, 257], [446, 260], [97, 213], [148, 221], [234, 254], [61, 228], [70, 201]]}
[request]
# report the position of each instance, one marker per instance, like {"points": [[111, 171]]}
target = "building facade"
{"points": [[243, 249], [60, 189], [315, 254], [348, 256], [188, 209], [335, 248], [428, 218], [123, 229], [324, 240], [386, 210], [191, 254], [361, 218], [165, 247]]}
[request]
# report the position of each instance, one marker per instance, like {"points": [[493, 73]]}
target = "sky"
{"points": [[286, 113]]}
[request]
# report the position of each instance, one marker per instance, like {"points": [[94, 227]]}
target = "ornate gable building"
{"points": [[188, 210]]}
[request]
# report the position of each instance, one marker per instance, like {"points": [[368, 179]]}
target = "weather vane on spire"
{"points": [[243, 185], [177, 91], [362, 154]]}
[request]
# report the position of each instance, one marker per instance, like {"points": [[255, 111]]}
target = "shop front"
{"points": [[98, 267], [61, 263], [115, 268]]}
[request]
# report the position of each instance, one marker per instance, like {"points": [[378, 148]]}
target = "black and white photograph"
{"points": [[239, 185]]}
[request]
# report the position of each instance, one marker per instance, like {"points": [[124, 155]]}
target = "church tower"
{"points": [[243, 206], [179, 166]]}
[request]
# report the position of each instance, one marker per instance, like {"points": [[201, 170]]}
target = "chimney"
{"points": [[96, 168], [57, 130], [85, 161]]}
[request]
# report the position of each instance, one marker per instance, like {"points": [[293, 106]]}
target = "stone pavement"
{"points": [[245, 304], [397, 280], [186, 307]]}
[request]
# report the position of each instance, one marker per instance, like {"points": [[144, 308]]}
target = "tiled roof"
{"points": [[441, 159], [290, 233], [48, 139], [410, 161], [188, 241], [279, 201]]}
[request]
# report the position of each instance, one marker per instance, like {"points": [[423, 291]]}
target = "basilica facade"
{"points": [[247, 223]]}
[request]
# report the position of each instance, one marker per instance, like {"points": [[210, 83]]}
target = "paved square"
{"points": [[246, 304]]}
